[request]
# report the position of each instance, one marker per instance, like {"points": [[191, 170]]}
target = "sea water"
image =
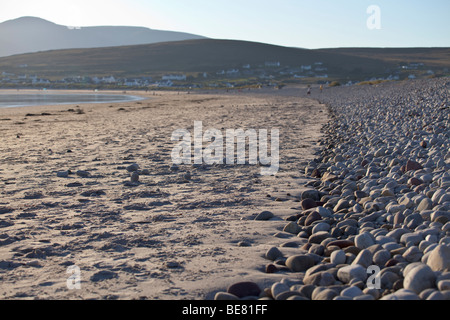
{"points": [[42, 99]]}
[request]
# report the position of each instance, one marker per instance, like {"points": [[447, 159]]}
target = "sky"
{"points": [[294, 23]]}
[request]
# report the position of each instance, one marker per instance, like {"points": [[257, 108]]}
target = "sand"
{"points": [[164, 238]]}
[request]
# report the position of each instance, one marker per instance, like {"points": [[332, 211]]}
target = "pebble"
{"points": [[439, 258], [273, 253], [364, 240], [62, 174], [244, 289], [352, 272], [134, 177], [225, 296], [364, 259], [300, 263], [83, 174], [338, 257], [132, 168], [319, 236], [352, 292], [264, 216], [421, 277]]}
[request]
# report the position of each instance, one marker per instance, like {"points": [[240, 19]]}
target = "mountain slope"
{"points": [[180, 56], [208, 55], [30, 34]]}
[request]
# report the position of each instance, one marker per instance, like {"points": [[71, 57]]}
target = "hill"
{"points": [[211, 56], [30, 34]]}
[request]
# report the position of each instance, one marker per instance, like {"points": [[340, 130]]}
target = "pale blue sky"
{"points": [[296, 23]]}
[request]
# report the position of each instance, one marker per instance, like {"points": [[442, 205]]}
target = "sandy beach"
{"points": [[67, 201]]}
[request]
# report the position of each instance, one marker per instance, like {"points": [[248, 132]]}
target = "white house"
{"points": [[272, 64], [172, 77], [109, 79]]}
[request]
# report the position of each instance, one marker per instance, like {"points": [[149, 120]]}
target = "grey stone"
{"points": [[402, 294], [419, 278], [299, 263], [265, 215], [439, 258], [381, 257], [322, 293], [413, 254], [364, 258], [338, 257], [278, 288], [292, 228], [244, 289], [319, 237], [351, 292], [322, 278], [62, 174], [364, 240], [273, 253], [225, 296], [348, 273], [134, 177]]}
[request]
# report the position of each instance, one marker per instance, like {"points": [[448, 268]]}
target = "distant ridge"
{"points": [[31, 34], [211, 56]]}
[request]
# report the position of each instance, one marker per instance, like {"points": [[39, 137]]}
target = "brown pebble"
{"points": [[390, 263], [341, 243], [271, 268]]}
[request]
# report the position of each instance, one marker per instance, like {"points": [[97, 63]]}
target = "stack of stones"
{"points": [[375, 224]]}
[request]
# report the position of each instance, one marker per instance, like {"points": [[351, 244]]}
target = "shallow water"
{"points": [[42, 99]]}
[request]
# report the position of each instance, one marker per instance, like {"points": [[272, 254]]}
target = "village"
{"points": [[271, 73]]}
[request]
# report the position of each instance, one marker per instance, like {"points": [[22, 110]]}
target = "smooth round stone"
{"points": [[273, 253], [351, 292], [322, 278], [244, 289], [313, 216], [322, 293], [413, 254], [225, 296], [324, 212], [278, 288], [419, 278], [319, 237], [300, 263], [443, 285], [62, 174], [364, 258], [402, 294], [391, 246], [338, 257], [349, 273], [322, 226], [439, 258], [381, 257], [292, 227], [264, 216], [341, 243], [411, 239], [311, 194], [133, 167], [308, 204], [134, 177], [364, 240]]}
